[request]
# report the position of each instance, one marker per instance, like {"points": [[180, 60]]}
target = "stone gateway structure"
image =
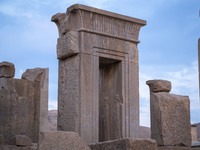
{"points": [[98, 73], [98, 93]]}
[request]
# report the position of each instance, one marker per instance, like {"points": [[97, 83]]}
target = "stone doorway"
{"points": [[96, 46], [110, 99]]}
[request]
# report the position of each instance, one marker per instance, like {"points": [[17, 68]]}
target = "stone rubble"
{"points": [[22, 140]]}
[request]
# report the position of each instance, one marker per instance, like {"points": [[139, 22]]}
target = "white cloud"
{"points": [[184, 82], [53, 104], [18, 73]]}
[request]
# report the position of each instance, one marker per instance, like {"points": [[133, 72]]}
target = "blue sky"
{"points": [[168, 48]]}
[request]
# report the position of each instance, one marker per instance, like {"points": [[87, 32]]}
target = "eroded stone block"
{"points": [[170, 119], [40, 75], [126, 144], [176, 148], [159, 85], [67, 45], [34, 74], [7, 69], [10, 147], [24, 100], [22, 140], [194, 133], [34, 146], [19, 101], [58, 140]]}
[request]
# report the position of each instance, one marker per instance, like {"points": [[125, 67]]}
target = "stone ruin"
{"points": [[98, 89], [98, 92], [170, 115], [23, 104]]}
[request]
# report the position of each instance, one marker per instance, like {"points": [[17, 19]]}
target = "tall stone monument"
{"points": [[98, 93]]}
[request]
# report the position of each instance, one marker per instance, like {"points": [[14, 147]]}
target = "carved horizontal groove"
{"points": [[108, 35], [110, 54], [110, 50]]}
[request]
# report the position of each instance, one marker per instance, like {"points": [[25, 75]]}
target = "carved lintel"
{"points": [[109, 35]]}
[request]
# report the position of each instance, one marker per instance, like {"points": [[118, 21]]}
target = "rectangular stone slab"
{"points": [[19, 100], [126, 144], [170, 119], [176, 148], [59, 140]]}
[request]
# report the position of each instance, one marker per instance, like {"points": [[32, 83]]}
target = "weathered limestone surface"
{"points": [[68, 96], [52, 120], [7, 70], [159, 85], [22, 140], [20, 101], [40, 75], [98, 70], [176, 148], [144, 132], [198, 131], [194, 133], [59, 140], [126, 144], [170, 118], [13, 147]]}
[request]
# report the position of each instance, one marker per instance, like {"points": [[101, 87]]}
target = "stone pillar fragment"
{"points": [[40, 75], [7, 70], [21, 104], [98, 90], [170, 115]]}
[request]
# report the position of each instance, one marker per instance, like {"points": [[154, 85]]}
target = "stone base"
{"points": [[14, 147], [176, 148], [58, 140], [126, 144]]}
